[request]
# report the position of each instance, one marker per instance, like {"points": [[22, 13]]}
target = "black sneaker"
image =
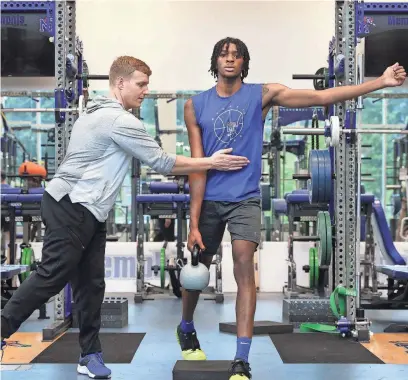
{"points": [[239, 370], [190, 346]]}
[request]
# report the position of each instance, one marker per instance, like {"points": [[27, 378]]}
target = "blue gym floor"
{"points": [[158, 352]]}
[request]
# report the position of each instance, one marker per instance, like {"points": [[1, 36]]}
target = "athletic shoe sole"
{"points": [[83, 370]]}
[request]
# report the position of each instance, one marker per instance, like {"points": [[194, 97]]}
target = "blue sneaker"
{"points": [[93, 366]]}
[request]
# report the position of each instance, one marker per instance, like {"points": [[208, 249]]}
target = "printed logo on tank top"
{"points": [[228, 125]]}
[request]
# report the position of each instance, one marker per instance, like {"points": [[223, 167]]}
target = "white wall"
{"points": [[176, 38], [121, 264]]}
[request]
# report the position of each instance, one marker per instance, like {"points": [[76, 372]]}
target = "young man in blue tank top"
{"points": [[231, 115]]}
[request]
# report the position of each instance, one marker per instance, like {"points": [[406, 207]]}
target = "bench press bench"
{"points": [[18, 204]]}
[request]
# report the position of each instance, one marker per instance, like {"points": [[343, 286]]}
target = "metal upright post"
{"points": [[135, 189], [275, 181], [135, 178], [347, 166], [65, 93]]}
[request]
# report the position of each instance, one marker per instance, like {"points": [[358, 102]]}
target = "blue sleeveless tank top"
{"points": [[232, 122]]}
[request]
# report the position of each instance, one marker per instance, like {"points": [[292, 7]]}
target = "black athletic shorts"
{"points": [[243, 219]]}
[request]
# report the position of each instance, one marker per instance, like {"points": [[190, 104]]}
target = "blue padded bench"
{"points": [[157, 187], [297, 198], [152, 198], [18, 190], [279, 206], [9, 271], [302, 196], [21, 198], [384, 230], [157, 204], [367, 199], [396, 272]]}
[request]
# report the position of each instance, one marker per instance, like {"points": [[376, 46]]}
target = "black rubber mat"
{"points": [[260, 327], [116, 347], [321, 348], [201, 370]]}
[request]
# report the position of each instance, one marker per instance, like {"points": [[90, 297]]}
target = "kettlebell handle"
{"points": [[195, 256]]}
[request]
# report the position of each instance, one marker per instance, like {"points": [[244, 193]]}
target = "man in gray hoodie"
{"points": [[78, 199]]}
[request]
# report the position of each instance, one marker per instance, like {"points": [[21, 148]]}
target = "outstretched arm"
{"points": [[130, 134], [277, 94], [197, 181]]}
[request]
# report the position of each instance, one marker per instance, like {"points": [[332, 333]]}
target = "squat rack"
{"points": [[352, 21], [60, 23]]}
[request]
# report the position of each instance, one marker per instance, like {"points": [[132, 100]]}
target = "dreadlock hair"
{"points": [[242, 51]]}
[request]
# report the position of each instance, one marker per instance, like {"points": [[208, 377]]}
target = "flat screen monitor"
{"points": [[384, 49], [27, 49]]}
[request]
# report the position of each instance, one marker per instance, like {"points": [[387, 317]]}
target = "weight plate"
{"points": [[162, 267], [268, 228], [175, 282], [396, 204], [321, 84], [322, 177], [329, 238], [266, 197], [322, 233], [325, 244], [313, 268], [328, 175], [27, 258], [309, 191], [335, 130], [81, 104], [314, 176]]}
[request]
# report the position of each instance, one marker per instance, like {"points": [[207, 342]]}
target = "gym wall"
{"points": [[271, 276], [176, 38]]}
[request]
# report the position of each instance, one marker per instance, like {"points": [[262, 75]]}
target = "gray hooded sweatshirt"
{"points": [[103, 141]]}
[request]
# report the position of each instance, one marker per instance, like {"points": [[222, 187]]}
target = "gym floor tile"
{"points": [[158, 352]]}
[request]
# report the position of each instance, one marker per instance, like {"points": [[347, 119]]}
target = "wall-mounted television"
{"points": [[27, 47], [384, 49]]}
